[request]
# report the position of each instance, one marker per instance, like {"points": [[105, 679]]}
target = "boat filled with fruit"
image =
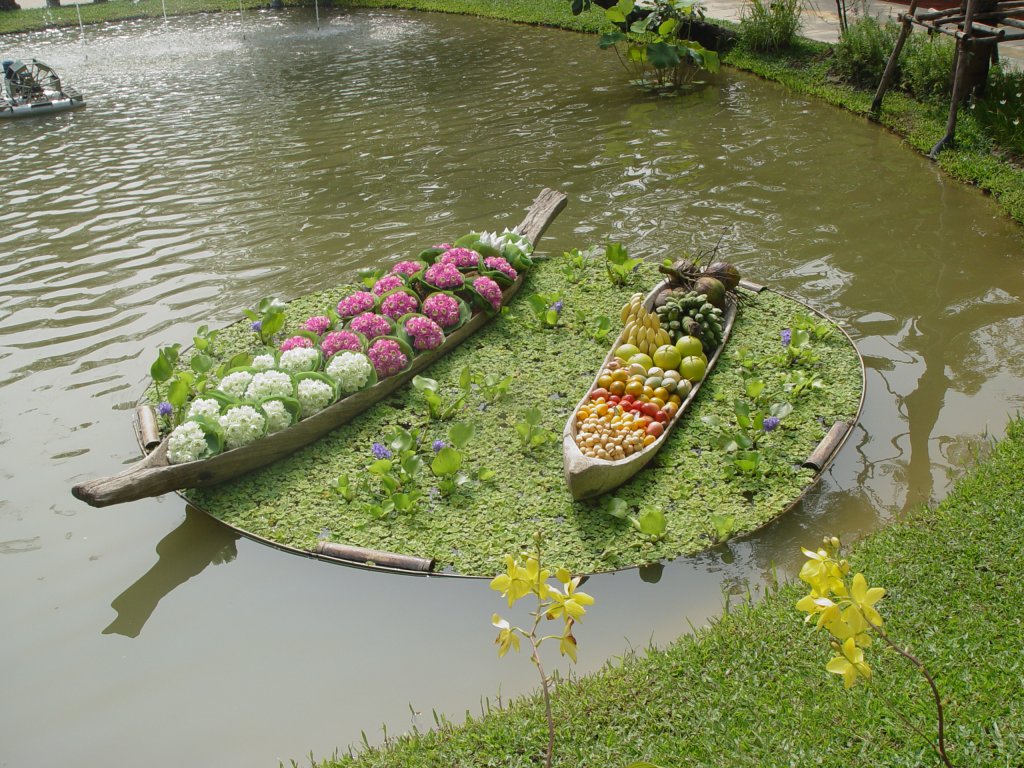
{"points": [[669, 344], [213, 425]]}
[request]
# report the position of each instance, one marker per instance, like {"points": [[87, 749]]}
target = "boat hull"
{"points": [[587, 477], [39, 108]]}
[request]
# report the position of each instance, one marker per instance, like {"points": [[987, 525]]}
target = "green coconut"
{"points": [[713, 288]]}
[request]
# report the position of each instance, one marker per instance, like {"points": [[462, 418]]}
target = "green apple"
{"points": [[689, 345]]}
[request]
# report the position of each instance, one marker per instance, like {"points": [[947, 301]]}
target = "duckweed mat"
{"points": [[294, 503]]}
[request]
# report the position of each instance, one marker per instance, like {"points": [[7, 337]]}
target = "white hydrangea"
{"points": [[351, 370], [204, 406], [269, 384], [242, 425], [314, 395], [234, 384], [300, 359], [278, 417], [264, 362], [187, 443]]}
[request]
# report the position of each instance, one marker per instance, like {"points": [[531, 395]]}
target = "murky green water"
{"points": [[221, 161]]}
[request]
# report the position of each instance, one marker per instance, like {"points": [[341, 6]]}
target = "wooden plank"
{"points": [[154, 475], [375, 557]]}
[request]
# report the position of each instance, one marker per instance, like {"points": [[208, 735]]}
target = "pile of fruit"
{"points": [[660, 355]]}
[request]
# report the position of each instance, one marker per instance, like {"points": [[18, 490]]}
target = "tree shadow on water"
{"points": [[183, 553]]}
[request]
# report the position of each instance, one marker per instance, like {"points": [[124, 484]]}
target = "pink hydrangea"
{"points": [[444, 276], [460, 257], [490, 290], [499, 264], [399, 303], [407, 267], [370, 325], [442, 309], [360, 301], [388, 283], [318, 324], [425, 333], [335, 341], [295, 342], [387, 357]]}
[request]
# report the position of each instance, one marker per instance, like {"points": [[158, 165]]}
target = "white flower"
{"points": [[263, 362], [278, 417], [204, 406], [314, 395], [242, 425], [492, 239], [234, 384], [269, 384], [187, 443], [299, 359], [351, 370]]}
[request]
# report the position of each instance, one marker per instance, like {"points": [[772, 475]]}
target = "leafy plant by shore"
{"points": [[770, 26]]}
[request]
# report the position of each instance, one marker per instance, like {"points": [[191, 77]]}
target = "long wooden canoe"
{"points": [[154, 475], [588, 477]]}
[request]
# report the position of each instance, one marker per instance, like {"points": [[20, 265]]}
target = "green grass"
{"points": [[751, 690], [290, 502]]}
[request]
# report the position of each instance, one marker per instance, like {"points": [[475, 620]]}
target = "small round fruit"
{"points": [[617, 388], [626, 351], [687, 346], [655, 429], [599, 392], [669, 385], [684, 389], [634, 387], [661, 393], [667, 356], [693, 368], [674, 375], [641, 359], [656, 371], [620, 375], [653, 381], [604, 380], [635, 369]]}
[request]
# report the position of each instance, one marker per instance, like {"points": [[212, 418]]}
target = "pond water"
{"points": [[223, 159]]}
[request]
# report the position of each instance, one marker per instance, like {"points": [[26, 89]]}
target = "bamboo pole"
{"points": [[894, 58]]}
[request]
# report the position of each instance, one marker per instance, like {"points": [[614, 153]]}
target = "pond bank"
{"points": [[752, 689]]}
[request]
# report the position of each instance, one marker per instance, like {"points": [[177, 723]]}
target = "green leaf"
{"points": [[448, 461], [460, 433], [486, 475], [402, 441], [380, 467], [662, 55], [178, 392], [161, 370], [532, 416], [241, 360], [609, 39], [653, 522], [616, 507], [201, 363], [412, 465], [423, 384]]}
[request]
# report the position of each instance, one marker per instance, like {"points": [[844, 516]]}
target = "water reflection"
{"points": [[184, 553]]}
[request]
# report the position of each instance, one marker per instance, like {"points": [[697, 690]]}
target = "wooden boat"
{"points": [[588, 477], [154, 475]]}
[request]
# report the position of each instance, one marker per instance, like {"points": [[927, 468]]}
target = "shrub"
{"points": [[1001, 110], [927, 67], [863, 51], [767, 25]]}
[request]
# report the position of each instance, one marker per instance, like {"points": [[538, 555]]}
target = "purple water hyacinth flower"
{"points": [[381, 451], [165, 409], [438, 445], [770, 423], [786, 335], [318, 324], [257, 325], [558, 306], [442, 309]]}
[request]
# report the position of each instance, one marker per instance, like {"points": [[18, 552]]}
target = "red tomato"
{"points": [[650, 409], [655, 429], [661, 417], [613, 399], [599, 392], [646, 421], [628, 398]]}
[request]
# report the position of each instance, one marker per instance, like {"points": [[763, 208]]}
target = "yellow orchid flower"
{"points": [[506, 636], [850, 664]]}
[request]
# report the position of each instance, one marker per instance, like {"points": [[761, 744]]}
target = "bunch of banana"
{"points": [[641, 327], [690, 314]]}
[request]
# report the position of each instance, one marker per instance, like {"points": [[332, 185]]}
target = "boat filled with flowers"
{"points": [[331, 369]]}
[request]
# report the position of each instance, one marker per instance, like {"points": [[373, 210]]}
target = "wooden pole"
{"points": [[958, 79], [894, 58], [374, 557]]}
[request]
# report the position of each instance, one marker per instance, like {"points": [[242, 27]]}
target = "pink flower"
{"points": [[318, 324], [335, 341], [460, 257], [425, 333], [295, 342], [399, 303], [388, 283], [370, 325], [407, 267], [360, 301], [442, 309], [442, 246], [490, 290], [499, 264], [443, 276], [387, 357]]}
